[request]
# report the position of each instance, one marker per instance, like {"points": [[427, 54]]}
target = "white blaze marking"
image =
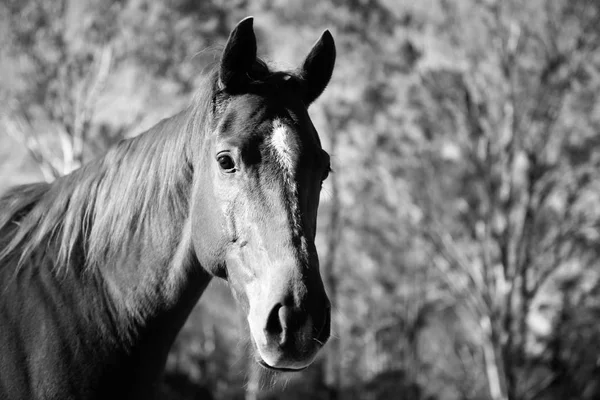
{"points": [[280, 144], [279, 141]]}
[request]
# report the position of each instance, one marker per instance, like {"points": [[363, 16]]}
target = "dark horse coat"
{"points": [[100, 269]]}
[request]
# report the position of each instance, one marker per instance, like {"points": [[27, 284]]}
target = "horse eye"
{"points": [[226, 163]]}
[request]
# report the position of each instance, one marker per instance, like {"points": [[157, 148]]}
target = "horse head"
{"points": [[264, 164]]}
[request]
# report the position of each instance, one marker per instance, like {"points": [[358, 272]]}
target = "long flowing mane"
{"points": [[100, 209]]}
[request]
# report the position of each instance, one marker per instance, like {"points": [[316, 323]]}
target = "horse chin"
{"points": [[266, 366], [280, 364]]}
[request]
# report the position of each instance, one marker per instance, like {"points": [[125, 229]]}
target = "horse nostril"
{"points": [[285, 317], [282, 323], [274, 326]]}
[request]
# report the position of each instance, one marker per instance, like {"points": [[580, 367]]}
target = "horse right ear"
{"points": [[238, 57], [318, 66]]}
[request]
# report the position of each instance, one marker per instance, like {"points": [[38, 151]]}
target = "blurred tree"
{"points": [[510, 164], [61, 60]]}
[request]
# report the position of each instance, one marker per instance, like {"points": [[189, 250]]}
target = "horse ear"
{"points": [[239, 55], [318, 67]]}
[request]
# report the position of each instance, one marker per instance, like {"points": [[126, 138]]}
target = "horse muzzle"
{"points": [[290, 338]]}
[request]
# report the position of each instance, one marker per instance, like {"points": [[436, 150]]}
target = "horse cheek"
{"points": [[208, 239]]}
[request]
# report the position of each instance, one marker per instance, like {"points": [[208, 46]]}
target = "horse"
{"points": [[100, 269]]}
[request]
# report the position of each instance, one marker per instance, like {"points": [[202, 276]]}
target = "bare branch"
{"points": [[87, 99], [21, 131]]}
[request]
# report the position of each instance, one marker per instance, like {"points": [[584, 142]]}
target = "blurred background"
{"points": [[459, 232]]}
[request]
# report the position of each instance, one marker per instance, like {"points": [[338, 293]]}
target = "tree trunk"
{"points": [[493, 362]]}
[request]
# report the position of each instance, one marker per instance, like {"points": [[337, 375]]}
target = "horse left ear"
{"points": [[317, 67], [239, 56]]}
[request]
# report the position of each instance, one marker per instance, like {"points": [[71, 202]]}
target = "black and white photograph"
{"points": [[296, 200]]}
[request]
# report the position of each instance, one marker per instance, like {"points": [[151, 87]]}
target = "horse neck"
{"points": [[112, 242]]}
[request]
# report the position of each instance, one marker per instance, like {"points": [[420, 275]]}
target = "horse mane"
{"points": [[95, 214], [103, 207]]}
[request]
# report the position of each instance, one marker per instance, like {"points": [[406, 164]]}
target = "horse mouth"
{"points": [[275, 369]]}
